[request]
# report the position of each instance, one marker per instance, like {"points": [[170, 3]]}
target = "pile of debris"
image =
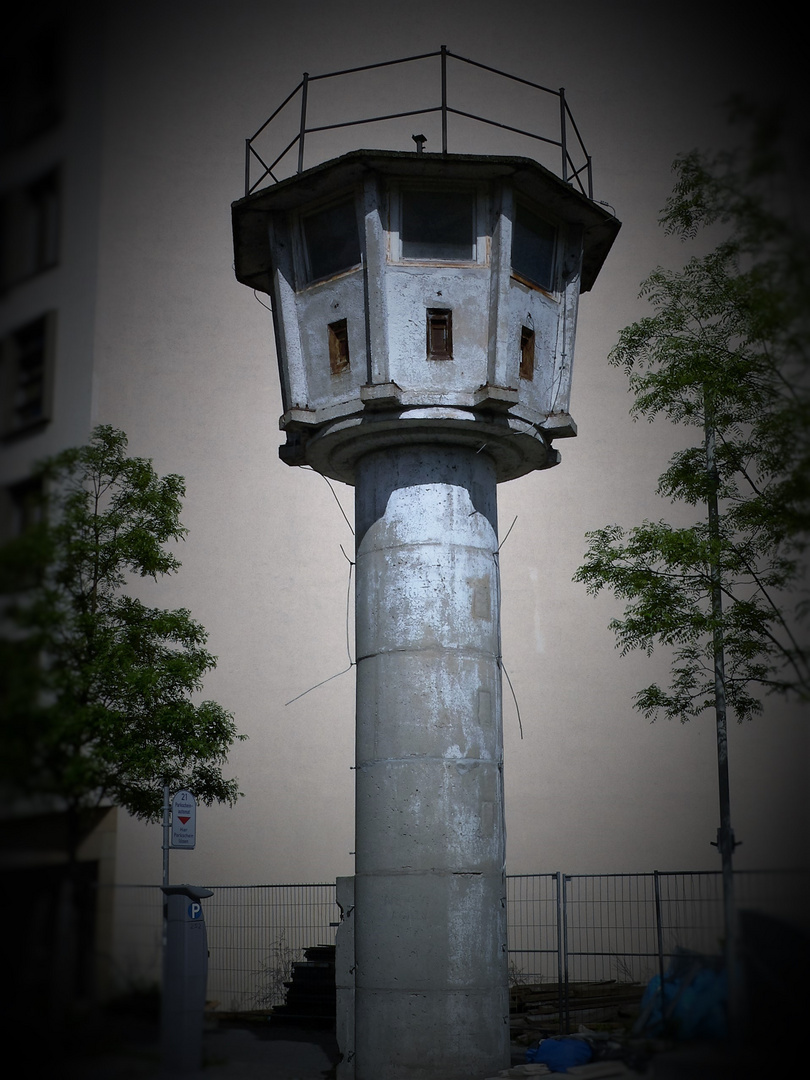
{"points": [[539, 1010]]}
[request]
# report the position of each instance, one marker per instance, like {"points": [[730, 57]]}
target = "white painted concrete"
{"points": [[431, 989]]}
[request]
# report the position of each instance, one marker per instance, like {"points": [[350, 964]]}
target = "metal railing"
{"points": [[572, 168], [563, 929]]}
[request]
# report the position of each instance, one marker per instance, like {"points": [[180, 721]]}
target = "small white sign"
{"points": [[184, 820]]}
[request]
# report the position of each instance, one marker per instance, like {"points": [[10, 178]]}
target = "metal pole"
{"points": [[444, 99], [660, 935], [567, 1017], [562, 136], [560, 976], [303, 128], [247, 167], [166, 836]]}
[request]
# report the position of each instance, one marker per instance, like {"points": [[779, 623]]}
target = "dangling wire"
{"points": [[258, 301], [352, 662], [499, 657], [334, 493]]}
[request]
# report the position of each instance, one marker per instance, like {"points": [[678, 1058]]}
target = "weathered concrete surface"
{"points": [[431, 994]]}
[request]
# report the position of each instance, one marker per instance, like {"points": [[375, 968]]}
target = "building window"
{"points": [[526, 353], [331, 240], [29, 229], [437, 225], [26, 356], [439, 334], [32, 87], [338, 347], [21, 507], [533, 246]]}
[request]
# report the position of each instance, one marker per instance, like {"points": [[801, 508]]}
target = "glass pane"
{"points": [[437, 225], [533, 247], [332, 241]]}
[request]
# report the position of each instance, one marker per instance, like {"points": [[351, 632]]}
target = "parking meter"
{"points": [[185, 973]]}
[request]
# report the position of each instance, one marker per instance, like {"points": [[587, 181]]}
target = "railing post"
{"points": [[247, 167], [590, 177], [558, 879], [567, 1006], [444, 99], [660, 933], [303, 128], [562, 136]]}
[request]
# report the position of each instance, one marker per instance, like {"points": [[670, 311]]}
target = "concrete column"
{"points": [[431, 989]]}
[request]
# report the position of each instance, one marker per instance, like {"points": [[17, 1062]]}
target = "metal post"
{"points": [[444, 99], [303, 128], [247, 166], [563, 143], [660, 935], [590, 176], [560, 977], [166, 834], [567, 1017]]}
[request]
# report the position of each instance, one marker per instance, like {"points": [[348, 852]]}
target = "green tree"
{"points": [[98, 688], [726, 353]]}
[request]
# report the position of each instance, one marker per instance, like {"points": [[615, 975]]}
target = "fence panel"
{"points": [[257, 932], [563, 929]]}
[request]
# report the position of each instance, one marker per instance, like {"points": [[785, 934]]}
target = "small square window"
{"points": [[331, 239], [439, 334], [526, 353], [533, 245], [338, 347]]}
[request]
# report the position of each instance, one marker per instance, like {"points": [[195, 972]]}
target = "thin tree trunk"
{"points": [[725, 834]]}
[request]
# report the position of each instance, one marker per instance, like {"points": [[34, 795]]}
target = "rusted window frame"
{"points": [[527, 339], [441, 318], [339, 359]]}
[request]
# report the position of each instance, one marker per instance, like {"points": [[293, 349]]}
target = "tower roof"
{"points": [[528, 177]]}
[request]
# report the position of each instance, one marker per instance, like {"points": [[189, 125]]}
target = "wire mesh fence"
{"points": [[563, 929]]}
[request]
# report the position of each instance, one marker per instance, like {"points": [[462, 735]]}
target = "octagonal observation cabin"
{"points": [[423, 297]]}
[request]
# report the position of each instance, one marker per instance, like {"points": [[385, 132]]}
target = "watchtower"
{"points": [[425, 310]]}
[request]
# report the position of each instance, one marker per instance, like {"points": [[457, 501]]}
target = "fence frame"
{"points": [[560, 925]]}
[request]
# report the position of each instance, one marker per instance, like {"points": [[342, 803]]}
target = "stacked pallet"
{"points": [[310, 993], [539, 1009]]}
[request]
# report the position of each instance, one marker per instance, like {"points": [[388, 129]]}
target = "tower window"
{"points": [[533, 243], [526, 353], [338, 347], [438, 225], [331, 239], [439, 334]]}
